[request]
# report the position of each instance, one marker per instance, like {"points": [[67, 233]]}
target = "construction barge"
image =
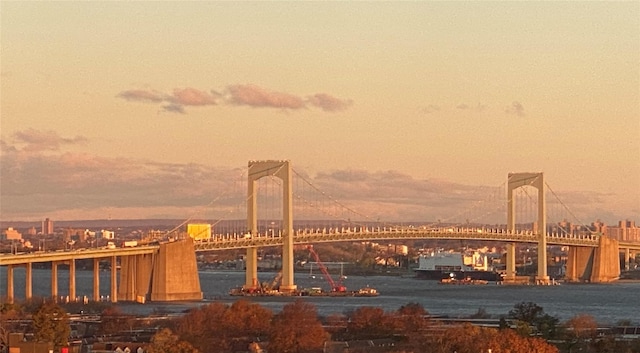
{"points": [[306, 292], [337, 289]]}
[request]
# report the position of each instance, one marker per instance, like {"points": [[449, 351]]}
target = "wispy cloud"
{"points": [[515, 108], [431, 108], [192, 96], [235, 95], [40, 178], [139, 95], [254, 96], [477, 108], [329, 103], [33, 140]]}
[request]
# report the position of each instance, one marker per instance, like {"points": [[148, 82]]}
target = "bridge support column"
{"points": [[54, 281], [171, 280], [28, 283], [10, 294], [96, 279], [511, 262], [596, 265], [282, 170], [72, 280], [536, 180], [114, 280], [579, 264], [627, 256], [606, 264], [251, 271]]}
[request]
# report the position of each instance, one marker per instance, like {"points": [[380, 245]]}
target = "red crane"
{"points": [[334, 287]]}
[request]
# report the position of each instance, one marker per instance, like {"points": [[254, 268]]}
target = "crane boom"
{"points": [[334, 287]]}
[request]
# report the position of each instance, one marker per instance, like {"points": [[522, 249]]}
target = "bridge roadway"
{"points": [[304, 236], [66, 255], [324, 235]]}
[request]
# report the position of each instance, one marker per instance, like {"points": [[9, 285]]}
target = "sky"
{"points": [[149, 109]]}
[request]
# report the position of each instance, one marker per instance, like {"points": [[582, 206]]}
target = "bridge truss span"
{"points": [[303, 236]]}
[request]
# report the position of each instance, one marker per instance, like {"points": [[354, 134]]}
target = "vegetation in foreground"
{"points": [[246, 326]]}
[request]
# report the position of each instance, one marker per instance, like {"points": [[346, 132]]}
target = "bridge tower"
{"points": [[536, 180], [282, 170]]}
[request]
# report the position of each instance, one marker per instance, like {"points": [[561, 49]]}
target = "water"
{"points": [[607, 303]]}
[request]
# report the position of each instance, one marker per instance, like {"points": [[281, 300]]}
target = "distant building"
{"points": [[199, 231], [106, 234], [397, 249], [32, 231], [47, 227], [625, 231], [10, 234]]}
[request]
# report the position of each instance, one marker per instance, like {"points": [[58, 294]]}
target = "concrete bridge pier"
{"points": [[28, 283], [511, 262], [10, 293], [72, 280], [627, 258], [54, 280], [251, 271], [135, 277], [595, 265], [175, 272], [28, 289], [114, 280], [96, 279]]}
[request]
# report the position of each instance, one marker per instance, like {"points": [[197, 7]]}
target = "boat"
{"points": [[455, 265]]}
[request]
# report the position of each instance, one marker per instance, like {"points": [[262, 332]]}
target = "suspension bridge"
{"points": [[267, 196]]}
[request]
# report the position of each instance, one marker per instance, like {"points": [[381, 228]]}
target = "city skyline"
{"points": [[133, 110]]}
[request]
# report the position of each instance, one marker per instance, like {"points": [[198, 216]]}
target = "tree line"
{"points": [[297, 328]]}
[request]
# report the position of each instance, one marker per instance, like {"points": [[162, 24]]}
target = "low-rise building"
{"points": [[10, 234]]}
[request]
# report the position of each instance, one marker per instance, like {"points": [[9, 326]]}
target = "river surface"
{"points": [[607, 303]]}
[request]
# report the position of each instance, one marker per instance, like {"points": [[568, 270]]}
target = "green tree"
{"points": [[297, 329], [165, 341], [531, 319], [51, 324], [528, 312]]}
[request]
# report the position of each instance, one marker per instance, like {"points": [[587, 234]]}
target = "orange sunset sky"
{"points": [[143, 109]]}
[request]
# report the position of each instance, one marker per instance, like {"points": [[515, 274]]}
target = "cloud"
{"points": [[142, 96], [431, 108], [42, 180], [255, 96], [174, 108], [329, 103], [478, 108], [192, 96], [81, 185], [176, 101], [515, 108], [235, 95], [34, 140]]}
